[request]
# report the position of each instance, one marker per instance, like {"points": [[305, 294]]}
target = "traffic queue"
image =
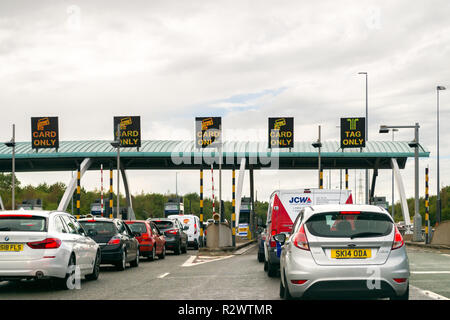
{"points": [[55, 246]]}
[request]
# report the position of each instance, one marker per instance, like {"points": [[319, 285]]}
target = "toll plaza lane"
{"points": [[187, 277]]}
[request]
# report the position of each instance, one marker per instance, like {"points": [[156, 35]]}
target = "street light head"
{"points": [[413, 144], [317, 144], [384, 129], [115, 144], [440, 88]]}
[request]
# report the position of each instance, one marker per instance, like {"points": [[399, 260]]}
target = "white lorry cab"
{"points": [[284, 207]]}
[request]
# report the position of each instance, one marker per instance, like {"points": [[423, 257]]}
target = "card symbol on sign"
{"points": [[206, 123], [124, 122], [279, 123], [42, 123]]}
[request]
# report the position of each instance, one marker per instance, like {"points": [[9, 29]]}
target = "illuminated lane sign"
{"points": [[130, 131], [207, 131], [281, 132], [353, 132], [44, 132]]}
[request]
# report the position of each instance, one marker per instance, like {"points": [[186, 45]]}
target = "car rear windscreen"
{"points": [[103, 228], [161, 224], [349, 224], [138, 227], [27, 224]]}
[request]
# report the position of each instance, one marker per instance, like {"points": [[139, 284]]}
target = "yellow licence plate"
{"points": [[11, 247], [351, 253]]}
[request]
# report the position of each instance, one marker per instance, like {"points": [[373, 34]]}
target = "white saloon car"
{"points": [[46, 245]]}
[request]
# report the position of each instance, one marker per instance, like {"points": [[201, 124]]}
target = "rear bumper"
{"points": [[172, 243], [351, 280], [111, 254], [145, 249], [49, 267]]}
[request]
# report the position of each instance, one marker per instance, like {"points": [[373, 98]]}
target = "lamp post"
{"points": [[116, 144], [318, 144], [438, 191], [413, 144], [393, 190], [12, 144], [367, 131]]}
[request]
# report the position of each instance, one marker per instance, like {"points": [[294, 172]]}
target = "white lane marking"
{"points": [[445, 254], [430, 272], [431, 294], [194, 260], [163, 275]]}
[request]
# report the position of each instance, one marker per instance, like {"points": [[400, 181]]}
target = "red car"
{"points": [[152, 242]]}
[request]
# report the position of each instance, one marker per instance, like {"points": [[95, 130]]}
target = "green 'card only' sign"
{"points": [[353, 133]]}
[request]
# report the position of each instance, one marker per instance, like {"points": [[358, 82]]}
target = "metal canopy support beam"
{"points": [[67, 197], [374, 180], [239, 190], [252, 198], [401, 192], [372, 187], [130, 215]]}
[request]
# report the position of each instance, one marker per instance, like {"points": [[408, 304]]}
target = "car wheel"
{"points": [[271, 270], [96, 270], [286, 294], [122, 264], [68, 282], [153, 255], [404, 296], [184, 249], [260, 256], [163, 253], [282, 290], [135, 262], [265, 265], [177, 250]]}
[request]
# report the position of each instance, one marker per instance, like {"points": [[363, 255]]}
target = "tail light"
{"points": [[273, 243], [49, 243], [172, 231], [298, 281], [400, 280], [145, 236], [274, 232], [114, 240], [398, 240], [300, 239]]}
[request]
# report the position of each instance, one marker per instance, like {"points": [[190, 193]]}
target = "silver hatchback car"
{"points": [[344, 251]]}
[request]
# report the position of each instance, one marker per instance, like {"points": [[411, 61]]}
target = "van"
{"points": [[193, 233], [284, 206]]}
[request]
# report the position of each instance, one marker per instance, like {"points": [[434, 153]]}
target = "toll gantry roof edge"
{"points": [[179, 154]]}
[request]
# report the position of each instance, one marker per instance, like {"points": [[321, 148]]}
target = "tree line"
{"points": [[151, 205]]}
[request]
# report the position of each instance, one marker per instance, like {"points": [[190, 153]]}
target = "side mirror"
{"points": [[136, 234], [185, 228], [281, 238]]}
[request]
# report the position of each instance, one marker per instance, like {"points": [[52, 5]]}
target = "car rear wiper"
{"points": [[365, 234]]}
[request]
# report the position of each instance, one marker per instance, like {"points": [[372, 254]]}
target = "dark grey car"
{"points": [[176, 238]]}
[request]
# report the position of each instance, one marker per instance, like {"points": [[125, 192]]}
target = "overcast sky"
{"points": [[170, 61]]}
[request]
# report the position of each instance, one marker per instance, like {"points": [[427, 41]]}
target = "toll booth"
{"points": [[174, 206], [31, 204], [244, 218], [381, 202]]}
